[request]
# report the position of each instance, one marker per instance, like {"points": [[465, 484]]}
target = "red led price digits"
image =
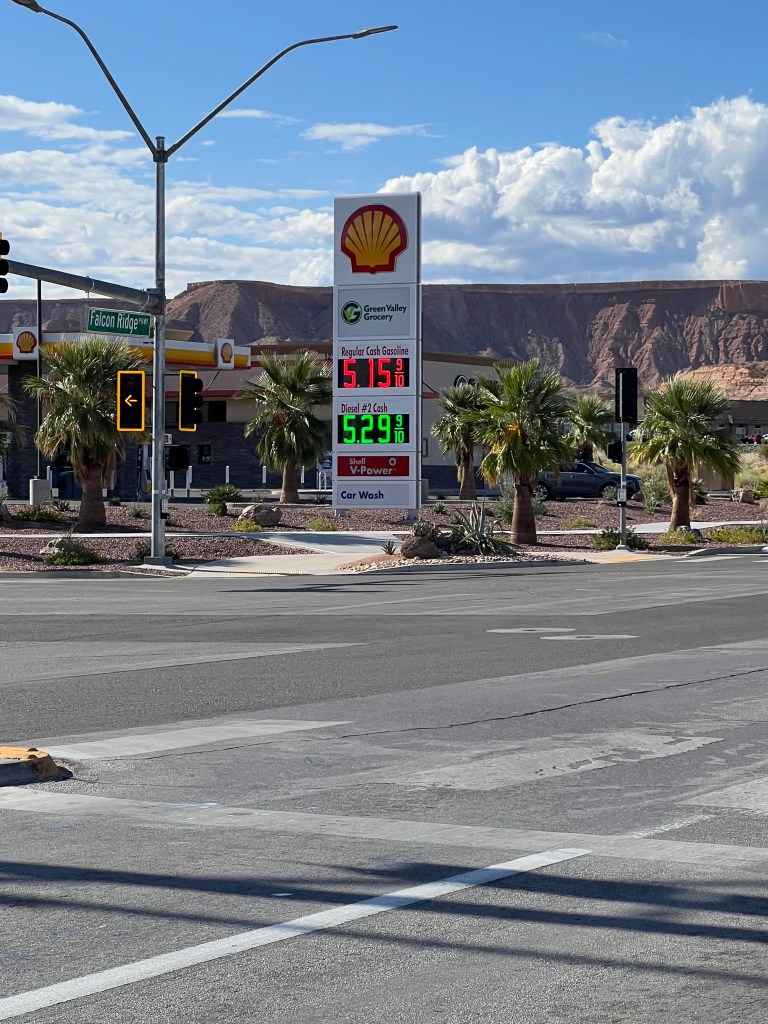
{"points": [[374, 373]]}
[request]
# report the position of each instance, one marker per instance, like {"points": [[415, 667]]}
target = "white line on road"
{"points": [[166, 963], [670, 826]]}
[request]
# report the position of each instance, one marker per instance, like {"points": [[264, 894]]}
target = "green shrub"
{"points": [[609, 539], [473, 535], [539, 507], [609, 493], [678, 537], [504, 507], [60, 504], [739, 534], [221, 493], [579, 523], [655, 487], [439, 508], [389, 547], [440, 495], [421, 528], [218, 508], [137, 511], [113, 501], [321, 499], [246, 526], [700, 492], [74, 553], [321, 523], [39, 514]]}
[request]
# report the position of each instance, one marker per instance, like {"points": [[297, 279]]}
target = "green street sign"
{"points": [[119, 321]]}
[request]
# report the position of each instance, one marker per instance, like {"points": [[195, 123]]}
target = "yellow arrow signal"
{"points": [[130, 400]]}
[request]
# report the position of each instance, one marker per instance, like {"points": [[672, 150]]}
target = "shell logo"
{"points": [[373, 237], [226, 352], [26, 342]]}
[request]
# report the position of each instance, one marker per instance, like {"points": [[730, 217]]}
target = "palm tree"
{"points": [[288, 433], [80, 393], [455, 434], [591, 419], [520, 423], [681, 429], [10, 430]]}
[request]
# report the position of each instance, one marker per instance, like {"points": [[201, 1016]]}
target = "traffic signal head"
{"points": [[190, 400], [626, 394], [177, 456], [131, 401], [613, 451], [5, 248]]}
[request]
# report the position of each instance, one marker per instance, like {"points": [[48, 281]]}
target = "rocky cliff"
{"points": [[584, 330]]}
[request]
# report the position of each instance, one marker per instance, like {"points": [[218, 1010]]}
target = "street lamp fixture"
{"points": [[160, 156]]}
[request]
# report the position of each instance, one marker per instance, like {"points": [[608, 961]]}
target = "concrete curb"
{"points": [[22, 765]]}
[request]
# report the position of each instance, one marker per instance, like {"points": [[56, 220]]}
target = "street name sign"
{"points": [[119, 321]]}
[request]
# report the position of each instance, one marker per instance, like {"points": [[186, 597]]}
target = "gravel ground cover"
{"points": [[21, 552]]}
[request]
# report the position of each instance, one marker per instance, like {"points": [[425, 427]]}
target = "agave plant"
{"points": [[474, 534]]}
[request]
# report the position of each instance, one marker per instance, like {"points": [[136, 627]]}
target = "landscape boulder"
{"points": [[420, 547], [264, 515], [56, 544], [744, 495]]}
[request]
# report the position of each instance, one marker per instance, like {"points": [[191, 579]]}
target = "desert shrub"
{"points": [[655, 486], [60, 504], [321, 499], [440, 495], [137, 511], [38, 514], [739, 534], [579, 523], [749, 479], [220, 494], [246, 526], [608, 539], [504, 507], [678, 537], [74, 553], [473, 535], [115, 501], [609, 493], [389, 547], [439, 508], [539, 507], [421, 528], [321, 523]]}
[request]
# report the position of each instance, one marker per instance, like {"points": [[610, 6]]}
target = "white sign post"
{"points": [[377, 352]]}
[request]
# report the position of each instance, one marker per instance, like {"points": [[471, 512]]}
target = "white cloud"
{"points": [[261, 115], [605, 39], [636, 200], [49, 121], [358, 136]]}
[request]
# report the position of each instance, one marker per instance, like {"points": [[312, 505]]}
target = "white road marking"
{"points": [[595, 752], [670, 826], [25, 661], [135, 744], [749, 796], [387, 830], [593, 636], [534, 629], [205, 952]]}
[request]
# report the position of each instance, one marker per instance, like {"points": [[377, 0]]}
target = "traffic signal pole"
{"points": [[157, 554]]}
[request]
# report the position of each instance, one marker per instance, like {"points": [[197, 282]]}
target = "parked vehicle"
{"points": [[583, 480]]}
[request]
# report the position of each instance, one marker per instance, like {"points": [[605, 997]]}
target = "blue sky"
{"points": [[552, 142]]}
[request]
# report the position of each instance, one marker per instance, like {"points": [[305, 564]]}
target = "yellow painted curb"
{"points": [[41, 763]]}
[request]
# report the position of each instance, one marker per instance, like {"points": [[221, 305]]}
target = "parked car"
{"points": [[583, 480]]}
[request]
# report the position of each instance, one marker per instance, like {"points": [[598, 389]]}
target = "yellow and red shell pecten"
{"points": [[26, 342], [373, 237]]}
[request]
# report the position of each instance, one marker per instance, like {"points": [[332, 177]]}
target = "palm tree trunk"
{"points": [[93, 514], [523, 523], [681, 501], [289, 495], [467, 487]]}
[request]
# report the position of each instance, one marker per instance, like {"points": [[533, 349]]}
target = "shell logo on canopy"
{"points": [[24, 343], [373, 237]]}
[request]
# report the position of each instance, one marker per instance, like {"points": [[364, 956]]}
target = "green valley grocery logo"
{"points": [[351, 312]]}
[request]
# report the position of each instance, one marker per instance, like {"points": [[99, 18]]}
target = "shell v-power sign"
{"points": [[377, 351]]}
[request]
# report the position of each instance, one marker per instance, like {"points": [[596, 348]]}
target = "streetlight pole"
{"points": [[160, 155]]}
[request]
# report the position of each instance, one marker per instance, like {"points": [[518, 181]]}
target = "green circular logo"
{"points": [[351, 312]]}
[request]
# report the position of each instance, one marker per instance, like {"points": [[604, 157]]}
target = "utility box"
{"points": [[39, 492]]}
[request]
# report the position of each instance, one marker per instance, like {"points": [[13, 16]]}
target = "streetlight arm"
{"points": [[266, 67], [128, 108]]}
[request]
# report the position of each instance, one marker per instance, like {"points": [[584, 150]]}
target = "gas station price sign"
{"points": [[373, 428], [375, 373]]}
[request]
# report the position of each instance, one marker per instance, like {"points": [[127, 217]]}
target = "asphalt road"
{"points": [[503, 795]]}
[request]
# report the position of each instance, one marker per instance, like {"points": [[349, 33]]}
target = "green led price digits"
{"points": [[374, 428]]}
